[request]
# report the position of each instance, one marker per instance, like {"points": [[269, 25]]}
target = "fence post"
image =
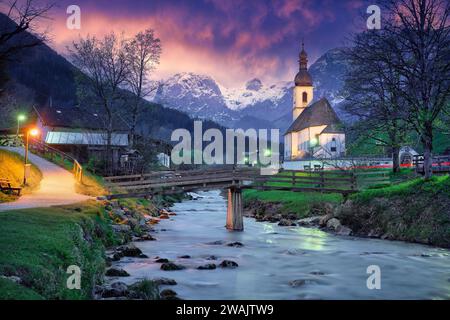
{"points": [[353, 181], [293, 178]]}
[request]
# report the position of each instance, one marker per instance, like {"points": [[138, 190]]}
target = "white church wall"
{"points": [[288, 146], [332, 148], [299, 105]]}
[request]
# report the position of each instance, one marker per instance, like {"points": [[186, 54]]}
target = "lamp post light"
{"points": [[33, 132], [20, 118]]}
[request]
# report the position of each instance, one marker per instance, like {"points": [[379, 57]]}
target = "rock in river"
{"points": [[228, 264], [333, 224], [162, 260], [286, 223], [117, 289], [209, 266], [129, 250], [168, 294], [116, 272], [170, 266], [235, 244]]}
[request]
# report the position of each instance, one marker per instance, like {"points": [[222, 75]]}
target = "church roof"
{"points": [[303, 78], [317, 114]]}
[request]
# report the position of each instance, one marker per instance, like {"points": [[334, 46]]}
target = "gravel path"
{"points": [[57, 186]]}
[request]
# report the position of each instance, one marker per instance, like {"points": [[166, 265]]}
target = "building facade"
{"points": [[316, 130]]}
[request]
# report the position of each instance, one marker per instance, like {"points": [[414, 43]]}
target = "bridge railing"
{"points": [[336, 181]]}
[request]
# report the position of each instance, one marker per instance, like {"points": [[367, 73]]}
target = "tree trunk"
{"points": [[109, 161], [427, 140], [396, 159]]}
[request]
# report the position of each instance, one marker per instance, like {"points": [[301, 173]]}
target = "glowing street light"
{"points": [[20, 118], [34, 132]]}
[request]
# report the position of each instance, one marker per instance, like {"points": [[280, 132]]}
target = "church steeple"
{"points": [[303, 90], [303, 61]]}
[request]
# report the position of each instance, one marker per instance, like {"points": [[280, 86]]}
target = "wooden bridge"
{"points": [[235, 180]]}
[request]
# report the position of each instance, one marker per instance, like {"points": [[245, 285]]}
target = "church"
{"points": [[316, 130]]}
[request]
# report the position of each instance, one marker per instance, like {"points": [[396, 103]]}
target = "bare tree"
{"points": [[143, 53], [371, 90], [104, 65], [419, 41], [19, 31]]}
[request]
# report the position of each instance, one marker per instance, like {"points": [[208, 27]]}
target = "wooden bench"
{"points": [[5, 187]]}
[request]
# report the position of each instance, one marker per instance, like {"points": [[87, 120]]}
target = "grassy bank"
{"points": [[37, 245], [415, 211], [299, 203], [11, 167]]}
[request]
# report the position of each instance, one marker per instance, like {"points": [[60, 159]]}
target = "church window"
{"points": [[305, 97], [333, 145]]}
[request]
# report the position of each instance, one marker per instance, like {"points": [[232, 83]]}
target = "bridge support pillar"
{"points": [[235, 210]]}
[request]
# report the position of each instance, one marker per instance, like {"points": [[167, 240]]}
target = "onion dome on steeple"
{"points": [[303, 78]]}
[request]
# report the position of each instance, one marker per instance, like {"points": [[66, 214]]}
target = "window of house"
{"points": [[333, 145]]}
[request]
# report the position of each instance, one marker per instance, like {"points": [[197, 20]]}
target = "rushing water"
{"points": [[273, 256]]}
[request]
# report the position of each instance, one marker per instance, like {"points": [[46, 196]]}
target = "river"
{"points": [[333, 267]]}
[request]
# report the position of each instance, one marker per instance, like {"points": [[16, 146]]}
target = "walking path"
{"points": [[57, 186]]}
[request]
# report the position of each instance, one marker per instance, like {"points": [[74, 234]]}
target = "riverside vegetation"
{"points": [[39, 244], [415, 211]]}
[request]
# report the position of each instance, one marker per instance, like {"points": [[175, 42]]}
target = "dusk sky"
{"points": [[231, 40]]}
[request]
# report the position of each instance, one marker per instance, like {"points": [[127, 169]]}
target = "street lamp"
{"points": [[26, 170], [20, 118]]}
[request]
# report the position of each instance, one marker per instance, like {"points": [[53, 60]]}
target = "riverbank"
{"points": [[38, 245], [414, 211]]}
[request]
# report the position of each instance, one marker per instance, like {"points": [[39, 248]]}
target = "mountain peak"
{"points": [[254, 85]]}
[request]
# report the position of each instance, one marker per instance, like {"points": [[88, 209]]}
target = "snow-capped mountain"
{"points": [[256, 105]]}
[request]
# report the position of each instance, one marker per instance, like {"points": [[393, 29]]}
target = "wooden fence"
{"points": [[441, 164]]}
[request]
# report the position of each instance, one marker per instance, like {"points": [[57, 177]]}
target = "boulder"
{"points": [[185, 257], [228, 264], [286, 223], [211, 258], [311, 221], [343, 230], [170, 266], [129, 250], [168, 294], [162, 260], [146, 237], [209, 266], [117, 289], [235, 244], [116, 272], [333, 224], [324, 219]]}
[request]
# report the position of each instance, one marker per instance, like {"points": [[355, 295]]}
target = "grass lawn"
{"points": [[38, 245], [294, 202], [11, 167], [436, 185], [302, 202]]}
